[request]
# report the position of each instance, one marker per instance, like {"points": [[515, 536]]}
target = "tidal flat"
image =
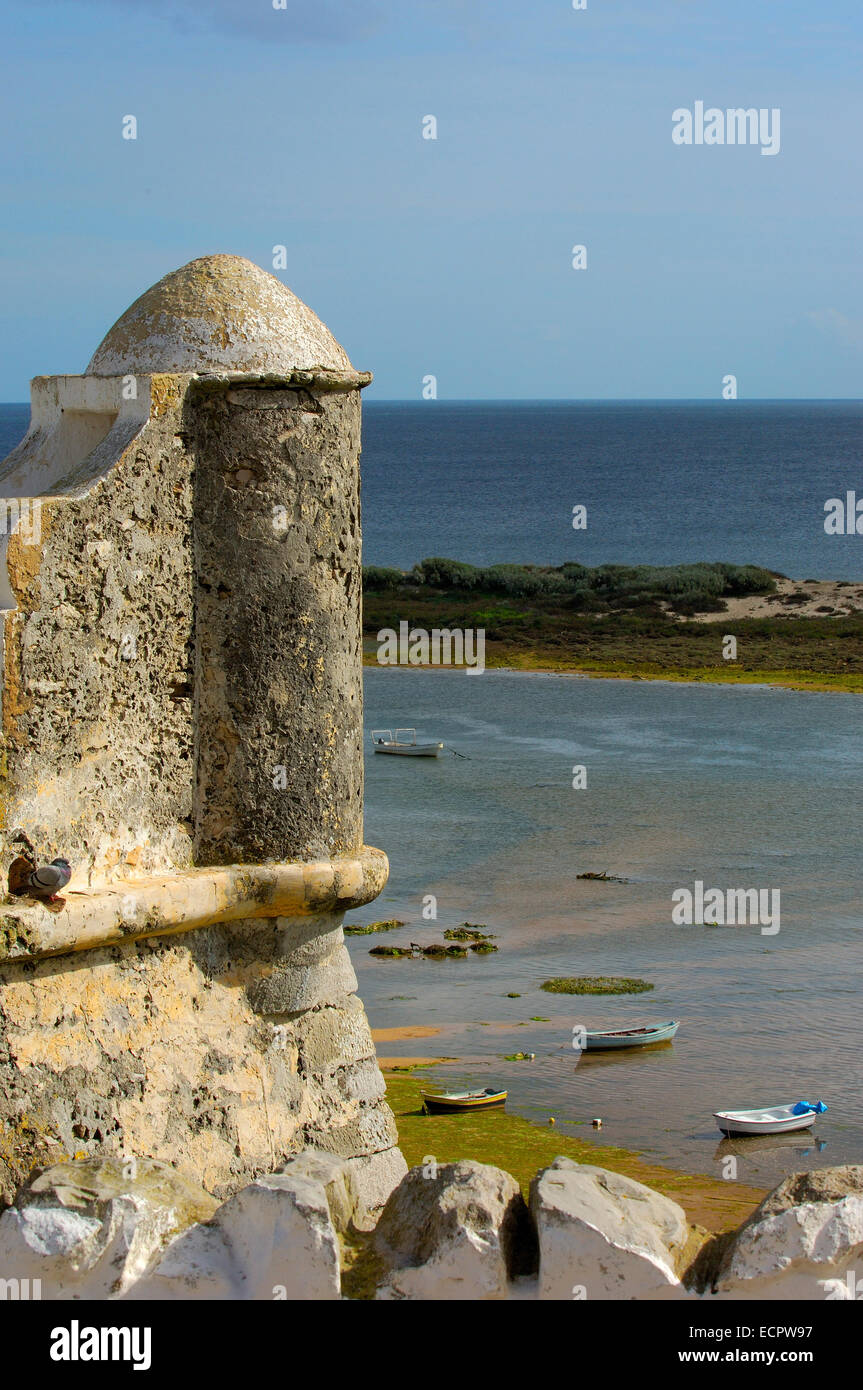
{"points": [[739, 788]]}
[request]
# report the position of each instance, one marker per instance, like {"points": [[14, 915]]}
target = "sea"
{"points": [[734, 787]]}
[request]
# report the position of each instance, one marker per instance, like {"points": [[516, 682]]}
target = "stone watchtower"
{"points": [[182, 721]]}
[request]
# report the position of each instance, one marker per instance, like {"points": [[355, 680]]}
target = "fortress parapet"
{"points": [[182, 720]]}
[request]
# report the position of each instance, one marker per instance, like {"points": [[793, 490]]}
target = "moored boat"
{"points": [[630, 1037], [772, 1119], [404, 744], [442, 1101]]}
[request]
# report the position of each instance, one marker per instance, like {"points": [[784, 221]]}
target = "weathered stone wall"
{"points": [[277, 531], [98, 740], [183, 692], [220, 1051], [188, 625]]}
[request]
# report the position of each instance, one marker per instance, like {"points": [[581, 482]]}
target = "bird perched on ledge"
{"points": [[42, 881]]}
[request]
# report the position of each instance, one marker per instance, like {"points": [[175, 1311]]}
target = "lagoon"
{"points": [[733, 786]]}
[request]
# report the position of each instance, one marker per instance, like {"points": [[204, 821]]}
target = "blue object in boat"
{"points": [[804, 1106]]}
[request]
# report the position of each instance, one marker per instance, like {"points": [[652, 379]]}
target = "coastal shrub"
{"points": [[693, 588], [595, 984], [659, 581], [687, 588], [439, 573], [575, 572], [747, 579], [379, 577], [511, 579], [524, 581]]}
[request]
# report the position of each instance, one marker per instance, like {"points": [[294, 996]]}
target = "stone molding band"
{"points": [[188, 899], [320, 379]]}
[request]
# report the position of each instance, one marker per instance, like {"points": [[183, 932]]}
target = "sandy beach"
{"points": [[794, 598]]}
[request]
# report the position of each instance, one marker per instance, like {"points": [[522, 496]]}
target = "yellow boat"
{"points": [[452, 1101]]}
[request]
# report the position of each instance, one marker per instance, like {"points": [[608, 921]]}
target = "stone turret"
{"points": [[182, 720]]}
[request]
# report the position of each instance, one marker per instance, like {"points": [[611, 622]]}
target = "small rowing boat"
{"points": [[773, 1119], [443, 1101], [404, 744], [629, 1037]]}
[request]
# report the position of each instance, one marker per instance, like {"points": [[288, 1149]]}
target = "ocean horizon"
{"points": [[664, 482]]}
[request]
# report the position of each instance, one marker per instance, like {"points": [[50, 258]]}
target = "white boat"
{"points": [[773, 1119], [631, 1037], [404, 744]]}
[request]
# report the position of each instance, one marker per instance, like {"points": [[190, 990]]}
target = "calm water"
{"points": [[663, 483], [738, 787]]}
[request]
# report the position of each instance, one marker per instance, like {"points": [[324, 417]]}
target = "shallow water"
{"points": [[739, 787]]}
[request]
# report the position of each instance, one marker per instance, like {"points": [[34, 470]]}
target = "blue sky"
{"points": [[302, 127]]}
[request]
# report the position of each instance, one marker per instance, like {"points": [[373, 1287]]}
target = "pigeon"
{"points": [[46, 881]]}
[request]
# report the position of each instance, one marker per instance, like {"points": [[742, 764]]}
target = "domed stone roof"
{"points": [[218, 314]]}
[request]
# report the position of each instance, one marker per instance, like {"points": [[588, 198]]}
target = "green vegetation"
{"points": [[373, 927], [437, 950], [621, 621], [687, 588], [507, 1141], [519, 1056], [594, 984], [467, 932]]}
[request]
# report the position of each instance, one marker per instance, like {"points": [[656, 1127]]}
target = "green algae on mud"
{"points": [[467, 932], [595, 984], [373, 927], [546, 663], [522, 1148]]}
